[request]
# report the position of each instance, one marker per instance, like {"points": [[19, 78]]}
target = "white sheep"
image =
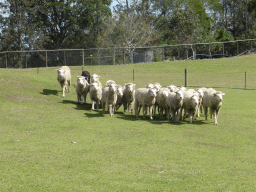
{"points": [[175, 103], [172, 88], [190, 104], [146, 98], [64, 78], [200, 94], [109, 97], [108, 82], [95, 94], [129, 97], [161, 99], [212, 99], [157, 86], [150, 85], [82, 87], [96, 79], [120, 94]]}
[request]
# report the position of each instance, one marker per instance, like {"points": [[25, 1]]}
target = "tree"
{"points": [[129, 30], [67, 22]]}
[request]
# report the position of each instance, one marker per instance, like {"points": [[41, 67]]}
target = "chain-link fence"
{"points": [[115, 56]]}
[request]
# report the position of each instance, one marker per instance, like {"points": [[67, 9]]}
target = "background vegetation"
{"points": [[50, 143], [51, 24]]}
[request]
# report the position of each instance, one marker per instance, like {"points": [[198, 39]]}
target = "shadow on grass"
{"points": [[79, 106], [50, 92]]}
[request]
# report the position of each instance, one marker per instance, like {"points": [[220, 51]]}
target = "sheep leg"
{"points": [[69, 82], [168, 113], [93, 104], [191, 117], [144, 111], [136, 109], [151, 112], [205, 112], [78, 97], [130, 108], [97, 103], [215, 118], [103, 107], [160, 112]]}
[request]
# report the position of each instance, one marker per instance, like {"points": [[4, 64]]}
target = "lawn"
{"points": [[50, 143]]}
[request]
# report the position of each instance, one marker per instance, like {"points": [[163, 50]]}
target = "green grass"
{"points": [[50, 143]]}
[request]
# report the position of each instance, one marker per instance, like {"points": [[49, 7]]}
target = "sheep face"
{"points": [[94, 86], [218, 96], [157, 86], [172, 88], [179, 95], [61, 74], [119, 90], [150, 86], [112, 87], [80, 80], [201, 92], [152, 92], [130, 87], [95, 78], [195, 100]]}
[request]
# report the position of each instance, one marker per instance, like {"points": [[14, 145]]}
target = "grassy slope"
{"points": [[39, 129]]}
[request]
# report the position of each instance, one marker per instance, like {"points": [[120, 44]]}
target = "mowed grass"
{"points": [[50, 143]]}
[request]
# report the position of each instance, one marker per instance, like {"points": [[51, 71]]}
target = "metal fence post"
{"points": [[83, 57], [98, 56], [223, 49], [5, 60], [114, 56], [237, 46], [46, 58], [186, 77], [65, 58]]}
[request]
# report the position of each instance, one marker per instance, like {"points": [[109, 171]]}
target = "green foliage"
{"points": [[50, 143]]}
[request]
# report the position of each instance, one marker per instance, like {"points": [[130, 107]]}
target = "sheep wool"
{"points": [[64, 78], [82, 87], [161, 100], [129, 97], [212, 99], [95, 94], [175, 103], [109, 97], [146, 98], [190, 104], [119, 93]]}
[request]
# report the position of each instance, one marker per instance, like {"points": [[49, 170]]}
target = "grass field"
{"points": [[50, 143]]}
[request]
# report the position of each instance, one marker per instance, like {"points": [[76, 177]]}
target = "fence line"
{"points": [[124, 55]]}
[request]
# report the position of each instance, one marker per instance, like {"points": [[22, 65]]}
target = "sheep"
{"points": [[157, 86], [190, 104], [108, 82], [120, 93], [146, 98], [64, 78], [212, 99], [172, 88], [175, 103], [200, 94], [95, 94], [109, 97], [161, 97], [129, 96], [96, 79], [86, 74], [82, 87], [150, 85]]}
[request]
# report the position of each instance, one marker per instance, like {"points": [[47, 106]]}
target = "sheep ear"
{"points": [[223, 93]]}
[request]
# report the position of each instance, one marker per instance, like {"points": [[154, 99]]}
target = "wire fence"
{"points": [[123, 55]]}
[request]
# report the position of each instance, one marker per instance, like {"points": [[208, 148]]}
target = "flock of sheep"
{"points": [[176, 102]]}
